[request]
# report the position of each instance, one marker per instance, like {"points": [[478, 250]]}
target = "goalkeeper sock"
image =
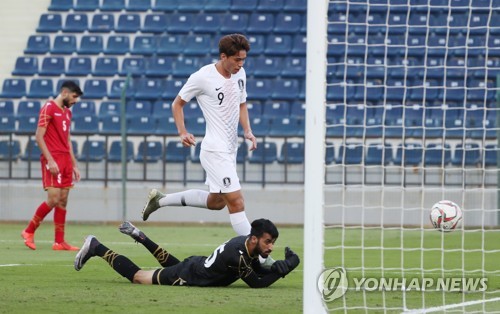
{"points": [[240, 223], [119, 263], [38, 217], [161, 255], [194, 198]]}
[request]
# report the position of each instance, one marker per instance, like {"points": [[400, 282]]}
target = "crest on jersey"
{"points": [[226, 181], [241, 84]]}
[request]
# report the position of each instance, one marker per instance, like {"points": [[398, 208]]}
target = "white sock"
{"points": [[194, 198], [240, 223]]}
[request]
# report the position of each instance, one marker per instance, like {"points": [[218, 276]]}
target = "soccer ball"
{"points": [[446, 216]]}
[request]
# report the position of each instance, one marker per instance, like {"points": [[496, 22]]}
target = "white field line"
{"points": [[450, 306]]}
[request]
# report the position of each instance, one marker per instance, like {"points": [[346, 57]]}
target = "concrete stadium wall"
{"points": [[91, 202]]}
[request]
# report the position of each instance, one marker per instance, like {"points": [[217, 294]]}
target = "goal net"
{"points": [[410, 118]]}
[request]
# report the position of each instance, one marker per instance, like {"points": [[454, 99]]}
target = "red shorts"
{"points": [[64, 179]]}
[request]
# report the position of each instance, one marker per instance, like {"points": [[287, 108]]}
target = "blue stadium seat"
{"points": [[10, 150], [53, 66], [64, 44], [292, 153], [144, 45], [276, 109], [264, 66], [159, 66], [149, 151], [135, 66], [176, 152], [170, 45], [329, 153], [165, 5], [286, 127], [479, 90], [378, 154], [111, 125], [41, 88], [254, 109], [109, 109], [262, 23], [117, 44], [475, 115], [286, 89], [180, 22], [112, 5], [274, 6], [191, 5], [217, 6], [37, 44], [242, 154], [32, 151], [165, 126], [266, 153], [27, 125], [196, 125], [467, 155], [7, 124], [105, 66], [116, 89], [298, 110], [79, 66], [234, 22], [171, 88], [414, 120], [91, 44], [454, 122], [437, 155], [207, 23], [393, 122], [28, 108], [162, 109], [115, 151], [102, 23], [184, 67], [490, 155], [60, 5], [298, 6], [288, 23], [85, 124], [13, 88], [49, 23], [409, 154], [192, 110], [84, 108], [257, 42], [86, 5], [294, 67], [148, 89], [279, 45], [260, 89], [138, 108], [6, 108], [197, 45], [243, 5], [92, 151], [26, 66], [95, 88], [350, 154], [140, 125], [76, 23], [154, 23], [128, 23], [138, 5]]}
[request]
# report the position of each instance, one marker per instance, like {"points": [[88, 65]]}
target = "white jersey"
{"points": [[219, 99]]}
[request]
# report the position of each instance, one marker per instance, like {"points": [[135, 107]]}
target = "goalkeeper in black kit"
{"points": [[235, 259]]}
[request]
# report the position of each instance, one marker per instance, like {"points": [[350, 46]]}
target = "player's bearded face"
{"points": [[70, 99], [265, 245]]}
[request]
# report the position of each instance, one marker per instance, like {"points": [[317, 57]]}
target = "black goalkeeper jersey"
{"points": [[228, 263]]}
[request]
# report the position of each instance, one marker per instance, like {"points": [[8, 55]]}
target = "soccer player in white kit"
{"points": [[220, 90]]}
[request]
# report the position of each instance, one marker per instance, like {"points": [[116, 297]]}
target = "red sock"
{"points": [[59, 222], [39, 215]]}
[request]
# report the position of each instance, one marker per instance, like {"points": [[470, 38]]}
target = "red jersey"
{"points": [[58, 122]]}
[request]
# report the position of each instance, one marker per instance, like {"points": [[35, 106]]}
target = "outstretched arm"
{"points": [[187, 139]]}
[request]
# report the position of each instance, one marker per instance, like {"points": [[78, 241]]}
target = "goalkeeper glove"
{"points": [[283, 267]]}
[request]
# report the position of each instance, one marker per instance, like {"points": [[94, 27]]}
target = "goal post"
{"points": [[314, 154]]}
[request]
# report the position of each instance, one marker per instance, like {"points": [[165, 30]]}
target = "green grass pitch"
{"points": [[44, 281]]}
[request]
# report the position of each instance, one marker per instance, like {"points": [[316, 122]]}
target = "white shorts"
{"points": [[221, 171]]}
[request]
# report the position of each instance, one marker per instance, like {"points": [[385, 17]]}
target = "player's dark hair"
{"points": [[261, 226], [231, 44], [72, 87]]}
